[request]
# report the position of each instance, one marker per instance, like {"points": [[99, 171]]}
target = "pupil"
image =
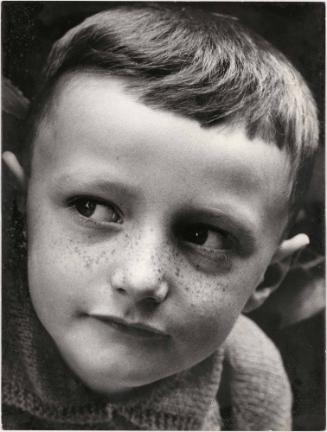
{"points": [[86, 208], [196, 235]]}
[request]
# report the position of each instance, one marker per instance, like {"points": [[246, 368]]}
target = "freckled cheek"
{"points": [[214, 293], [62, 271], [212, 305], [202, 301], [50, 240]]}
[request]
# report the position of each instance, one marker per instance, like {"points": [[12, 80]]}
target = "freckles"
{"points": [[85, 255], [75, 249], [80, 253], [88, 261], [209, 295]]}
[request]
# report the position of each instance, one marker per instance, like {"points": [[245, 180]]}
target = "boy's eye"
{"points": [[97, 211], [205, 236]]}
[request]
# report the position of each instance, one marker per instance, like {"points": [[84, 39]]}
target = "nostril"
{"points": [[150, 302], [121, 291]]}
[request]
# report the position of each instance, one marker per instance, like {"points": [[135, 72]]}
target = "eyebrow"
{"points": [[99, 183]]}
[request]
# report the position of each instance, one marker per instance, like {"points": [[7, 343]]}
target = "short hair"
{"points": [[204, 66]]}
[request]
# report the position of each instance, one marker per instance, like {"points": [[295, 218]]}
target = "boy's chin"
{"points": [[117, 389], [113, 379]]}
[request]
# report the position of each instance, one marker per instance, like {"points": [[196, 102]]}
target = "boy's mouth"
{"points": [[134, 329]]}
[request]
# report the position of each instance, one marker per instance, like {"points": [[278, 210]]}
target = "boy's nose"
{"points": [[139, 287], [141, 275]]}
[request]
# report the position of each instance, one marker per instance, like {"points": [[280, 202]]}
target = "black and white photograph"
{"points": [[163, 215]]}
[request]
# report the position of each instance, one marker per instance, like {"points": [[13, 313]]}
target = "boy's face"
{"points": [[147, 234]]}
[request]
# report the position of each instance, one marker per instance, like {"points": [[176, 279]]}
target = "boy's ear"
{"points": [[275, 273], [18, 173], [15, 168]]}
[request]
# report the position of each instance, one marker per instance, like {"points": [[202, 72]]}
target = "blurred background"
{"points": [[294, 317]]}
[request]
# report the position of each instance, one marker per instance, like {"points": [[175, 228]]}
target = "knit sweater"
{"points": [[40, 392]]}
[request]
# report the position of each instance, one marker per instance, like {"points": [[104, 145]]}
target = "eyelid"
{"points": [[244, 236], [227, 237], [217, 230], [96, 199], [224, 233]]}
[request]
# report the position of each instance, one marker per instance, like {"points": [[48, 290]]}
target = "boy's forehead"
{"points": [[96, 111]]}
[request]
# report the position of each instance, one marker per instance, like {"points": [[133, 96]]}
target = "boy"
{"points": [[166, 155]]}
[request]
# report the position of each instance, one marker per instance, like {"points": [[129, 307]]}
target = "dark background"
{"points": [[295, 320]]}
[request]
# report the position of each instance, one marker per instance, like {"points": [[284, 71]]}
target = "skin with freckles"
{"points": [[147, 234]]}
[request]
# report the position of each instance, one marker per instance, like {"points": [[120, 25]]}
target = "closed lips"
{"points": [[137, 329]]}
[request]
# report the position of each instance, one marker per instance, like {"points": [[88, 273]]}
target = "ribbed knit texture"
{"points": [[260, 390], [37, 382]]}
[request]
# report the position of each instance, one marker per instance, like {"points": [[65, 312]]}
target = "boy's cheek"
{"points": [[57, 271]]}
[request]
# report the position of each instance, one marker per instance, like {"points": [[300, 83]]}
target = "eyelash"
{"points": [[90, 206]]}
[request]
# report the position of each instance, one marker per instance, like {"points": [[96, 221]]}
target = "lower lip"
{"points": [[131, 331]]}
